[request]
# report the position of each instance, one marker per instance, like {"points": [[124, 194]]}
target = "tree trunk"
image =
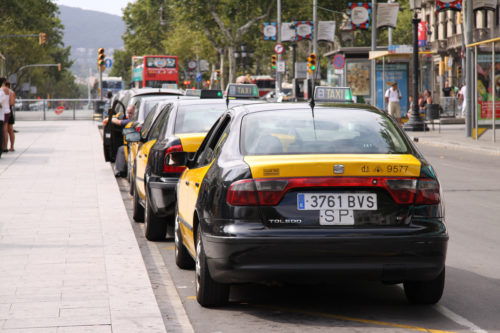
{"points": [[222, 85]]}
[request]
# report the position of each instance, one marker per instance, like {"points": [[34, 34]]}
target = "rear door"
{"points": [[143, 153], [191, 180]]}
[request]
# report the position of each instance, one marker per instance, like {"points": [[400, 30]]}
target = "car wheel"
{"points": [[209, 293], [138, 210], [425, 292], [155, 228], [182, 257]]}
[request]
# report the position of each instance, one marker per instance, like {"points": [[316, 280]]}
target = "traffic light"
{"points": [[217, 74], [42, 38], [311, 62], [101, 57], [459, 72], [274, 58]]}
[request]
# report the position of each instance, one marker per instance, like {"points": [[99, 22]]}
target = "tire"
{"points": [[138, 210], [182, 257], [425, 292], [155, 228], [208, 292]]}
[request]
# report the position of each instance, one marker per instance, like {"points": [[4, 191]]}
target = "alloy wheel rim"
{"points": [[198, 264]]}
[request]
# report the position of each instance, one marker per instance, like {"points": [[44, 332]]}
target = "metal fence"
{"points": [[56, 109], [451, 107]]}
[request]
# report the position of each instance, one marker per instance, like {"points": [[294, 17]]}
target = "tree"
{"points": [[227, 23], [33, 17]]}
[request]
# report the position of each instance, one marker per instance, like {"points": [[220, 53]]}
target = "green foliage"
{"points": [[32, 17], [214, 29], [122, 65]]}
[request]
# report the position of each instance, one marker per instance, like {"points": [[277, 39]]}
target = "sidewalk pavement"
{"points": [[69, 260], [453, 137]]}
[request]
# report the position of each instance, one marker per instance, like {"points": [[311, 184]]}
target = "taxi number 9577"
{"points": [[349, 201]]}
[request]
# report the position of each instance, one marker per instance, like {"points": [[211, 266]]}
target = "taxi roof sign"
{"points": [[242, 91], [333, 94], [211, 93], [193, 92]]}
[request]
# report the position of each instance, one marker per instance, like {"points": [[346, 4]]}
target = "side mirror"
{"points": [[128, 130], [176, 159], [133, 137]]}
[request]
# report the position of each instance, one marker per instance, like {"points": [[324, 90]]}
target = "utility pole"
{"points": [[278, 74], [468, 69], [373, 81], [389, 33]]}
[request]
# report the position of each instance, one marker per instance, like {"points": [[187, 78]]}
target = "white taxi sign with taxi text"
{"points": [[242, 90], [332, 94]]}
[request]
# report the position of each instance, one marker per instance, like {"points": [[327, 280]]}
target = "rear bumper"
{"points": [[162, 193], [324, 258]]}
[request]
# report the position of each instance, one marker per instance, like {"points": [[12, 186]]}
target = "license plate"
{"points": [[336, 217], [337, 201]]}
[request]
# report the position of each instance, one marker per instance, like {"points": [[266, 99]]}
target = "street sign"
{"points": [[59, 109], [280, 68], [279, 48], [191, 64], [338, 61], [108, 63], [198, 77]]}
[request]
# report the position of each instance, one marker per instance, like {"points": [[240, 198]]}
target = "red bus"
{"points": [[155, 71], [265, 83]]}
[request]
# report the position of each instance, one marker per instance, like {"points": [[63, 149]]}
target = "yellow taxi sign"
{"points": [[332, 94], [242, 90]]}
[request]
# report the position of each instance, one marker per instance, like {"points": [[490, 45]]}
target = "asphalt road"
{"points": [[471, 301]]}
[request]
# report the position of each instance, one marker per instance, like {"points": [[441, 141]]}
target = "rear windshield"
{"points": [[197, 118], [331, 131]]}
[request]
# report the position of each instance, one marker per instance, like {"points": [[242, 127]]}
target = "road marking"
{"points": [[459, 319], [358, 320], [169, 248], [191, 297]]}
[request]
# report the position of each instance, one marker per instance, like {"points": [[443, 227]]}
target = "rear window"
{"points": [[331, 131], [197, 118]]}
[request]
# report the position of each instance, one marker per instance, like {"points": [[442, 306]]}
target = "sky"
{"points": [[107, 6]]}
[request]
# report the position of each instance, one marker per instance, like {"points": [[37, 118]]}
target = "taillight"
{"points": [[402, 190], [269, 192], [138, 129], [170, 160], [249, 192], [428, 192]]}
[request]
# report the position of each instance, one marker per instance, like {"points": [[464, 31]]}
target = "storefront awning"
{"points": [[373, 55]]}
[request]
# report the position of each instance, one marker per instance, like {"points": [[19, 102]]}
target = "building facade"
{"points": [[446, 39]]}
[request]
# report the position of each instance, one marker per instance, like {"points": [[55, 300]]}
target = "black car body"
{"points": [[242, 215]]}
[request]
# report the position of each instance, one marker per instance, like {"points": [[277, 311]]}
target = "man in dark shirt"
{"points": [[120, 162], [447, 89]]}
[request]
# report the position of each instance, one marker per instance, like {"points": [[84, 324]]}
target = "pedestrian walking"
{"points": [[447, 89], [392, 99], [107, 104], [11, 122], [4, 114], [462, 95]]}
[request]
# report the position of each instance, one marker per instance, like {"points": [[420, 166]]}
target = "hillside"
{"points": [[87, 30]]}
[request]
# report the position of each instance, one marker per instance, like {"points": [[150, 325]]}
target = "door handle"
{"points": [[187, 183], [197, 184]]}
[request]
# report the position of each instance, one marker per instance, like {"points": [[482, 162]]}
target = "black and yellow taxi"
{"points": [[113, 137], [310, 192], [181, 126]]}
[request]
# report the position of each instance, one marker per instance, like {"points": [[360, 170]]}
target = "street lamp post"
{"points": [[243, 53], [415, 123]]}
